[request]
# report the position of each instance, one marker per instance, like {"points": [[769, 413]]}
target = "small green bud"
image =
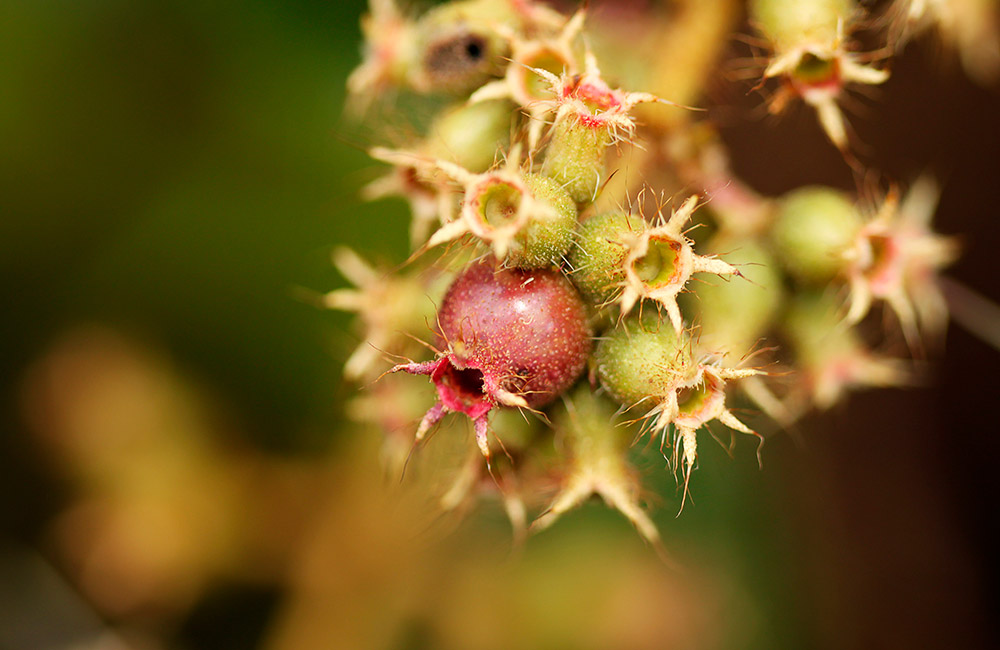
{"points": [[598, 259], [470, 135], [733, 314], [814, 228]]}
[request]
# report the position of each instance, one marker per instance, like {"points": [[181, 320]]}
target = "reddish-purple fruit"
{"points": [[510, 337]]}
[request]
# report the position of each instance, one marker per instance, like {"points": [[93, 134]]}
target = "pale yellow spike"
{"points": [[448, 232], [344, 300], [831, 119], [353, 266], [731, 421]]}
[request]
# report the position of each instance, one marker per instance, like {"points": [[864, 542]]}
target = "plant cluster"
{"points": [[587, 272]]}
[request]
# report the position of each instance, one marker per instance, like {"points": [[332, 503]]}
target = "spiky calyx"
{"points": [[897, 259], [523, 84], [589, 117], [527, 219], [832, 357], [648, 367], [810, 54], [391, 308], [661, 260], [597, 465]]}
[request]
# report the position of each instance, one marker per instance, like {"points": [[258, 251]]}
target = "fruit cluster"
{"points": [[553, 279]]}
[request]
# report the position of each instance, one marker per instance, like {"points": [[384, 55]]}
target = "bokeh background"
{"points": [[176, 470]]}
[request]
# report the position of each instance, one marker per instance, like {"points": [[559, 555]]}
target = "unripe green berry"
{"points": [[815, 328], [814, 228], [470, 135], [575, 157], [598, 259], [643, 359], [733, 315]]}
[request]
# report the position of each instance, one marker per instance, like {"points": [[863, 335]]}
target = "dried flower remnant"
{"points": [[661, 260], [390, 307], [597, 465], [810, 55], [897, 259]]}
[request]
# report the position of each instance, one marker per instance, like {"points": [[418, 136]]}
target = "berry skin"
{"points": [[511, 338], [548, 235], [598, 259], [642, 361]]}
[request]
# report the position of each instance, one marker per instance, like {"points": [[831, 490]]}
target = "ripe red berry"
{"points": [[510, 337]]}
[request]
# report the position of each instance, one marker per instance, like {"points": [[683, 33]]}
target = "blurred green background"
{"points": [[173, 171]]}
